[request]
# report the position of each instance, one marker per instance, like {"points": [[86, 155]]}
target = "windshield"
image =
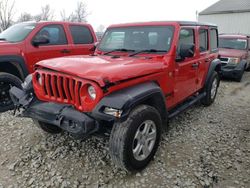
{"points": [[18, 32], [238, 44], [140, 38]]}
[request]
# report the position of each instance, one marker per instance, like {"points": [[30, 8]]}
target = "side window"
{"points": [[203, 38], [81, 34], [214, 40], [186, 40], [55, 34]]}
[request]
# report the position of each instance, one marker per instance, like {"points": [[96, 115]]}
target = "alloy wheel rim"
{"points": [[144, 140], [214, 88]]}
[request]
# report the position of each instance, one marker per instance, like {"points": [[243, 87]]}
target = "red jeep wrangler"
{"points": [[141, 75], [24, 44], [234, 54]]}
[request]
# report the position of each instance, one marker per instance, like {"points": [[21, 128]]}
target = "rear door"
{"points": [[83, 40], [207, 56], [204, 54], [186, 70], [57, 47]]}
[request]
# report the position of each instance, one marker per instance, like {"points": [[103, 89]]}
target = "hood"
{"points": [[9, 48], [100, 68], [4, 43], [224, 52]]}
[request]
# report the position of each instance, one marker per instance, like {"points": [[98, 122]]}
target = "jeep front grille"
{"points": [[62, 88]]}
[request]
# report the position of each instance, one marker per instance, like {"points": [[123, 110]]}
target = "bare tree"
{"points": [[80, 12], [24, 17], [46, 14], [65, 17], [100, 28], [79, 15], [6, 13]]}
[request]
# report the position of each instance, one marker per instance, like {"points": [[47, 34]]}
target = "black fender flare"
{"points": [[18, 62], [214, 66], [128, 98], [242, 65]]}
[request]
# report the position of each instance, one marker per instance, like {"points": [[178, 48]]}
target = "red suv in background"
{"points": [[24, 44], [234, 54]]}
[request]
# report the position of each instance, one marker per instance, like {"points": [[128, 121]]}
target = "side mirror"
{"points": [[187, 50], [94, 47], [40, 41]]}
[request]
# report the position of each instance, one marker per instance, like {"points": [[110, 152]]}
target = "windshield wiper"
{"points": [[2, 38], [146, 51], [227, 47], [119, 50]]}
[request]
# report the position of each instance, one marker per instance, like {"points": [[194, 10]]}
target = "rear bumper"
{"points": [[78, 124]]}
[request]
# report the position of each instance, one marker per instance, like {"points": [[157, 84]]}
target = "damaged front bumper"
{"points": [[78, 124]]}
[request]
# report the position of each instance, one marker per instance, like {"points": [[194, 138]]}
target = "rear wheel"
{"points": [[133, 143], [49, 128], [211, 89], [6, 82]]}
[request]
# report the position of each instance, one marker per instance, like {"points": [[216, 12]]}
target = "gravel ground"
{"points": [[203, 147]]}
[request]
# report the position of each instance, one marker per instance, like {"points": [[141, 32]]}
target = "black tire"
{"points": [[122, 138], [248, 68], [239, 77], [209, 98], [6, 81], [49, 128]]}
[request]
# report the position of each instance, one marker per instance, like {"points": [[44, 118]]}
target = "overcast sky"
{"points": [[107, 12]]}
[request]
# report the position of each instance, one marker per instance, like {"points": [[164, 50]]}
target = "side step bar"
{"points": [[185, 105]]}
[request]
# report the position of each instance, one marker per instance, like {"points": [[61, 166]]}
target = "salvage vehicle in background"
{"points": [[234, 53], [141, 75], [24, 44]]}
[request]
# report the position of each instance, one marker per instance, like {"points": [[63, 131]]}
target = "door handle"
{"points": [[195, 65], [65, 51]]}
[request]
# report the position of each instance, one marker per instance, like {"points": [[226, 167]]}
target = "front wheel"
{"points": [[133, 143], [6, 82], [211, 89]]}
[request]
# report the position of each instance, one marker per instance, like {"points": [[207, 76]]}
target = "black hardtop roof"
{"points": [[181, 23], [187, 23]]}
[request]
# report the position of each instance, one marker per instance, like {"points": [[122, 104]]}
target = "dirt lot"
{"points": [[203, 147]]}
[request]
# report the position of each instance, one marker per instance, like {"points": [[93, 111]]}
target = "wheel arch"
{"points": [[214, 66], [148, 93], [243, 64], [14, 65]]}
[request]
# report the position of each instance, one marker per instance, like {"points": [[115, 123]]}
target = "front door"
{"points": [[186, 69], [57, 46]]}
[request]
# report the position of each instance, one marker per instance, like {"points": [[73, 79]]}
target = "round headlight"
{"points": [[92, 92]]}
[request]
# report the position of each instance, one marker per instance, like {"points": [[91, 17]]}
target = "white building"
{"points": [[231, 16]]}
